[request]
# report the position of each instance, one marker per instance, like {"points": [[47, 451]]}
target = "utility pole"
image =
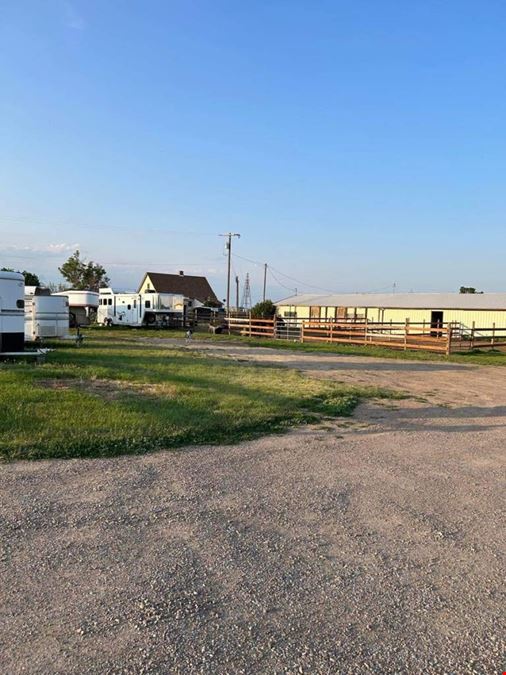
{"points": [[237, 293], [228, 244], [265, 279]]}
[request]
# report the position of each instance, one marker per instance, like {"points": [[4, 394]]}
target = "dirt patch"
{"points": [[111, 390]]}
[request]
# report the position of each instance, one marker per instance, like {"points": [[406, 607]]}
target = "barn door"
{"points": [[314, 313], [436, 323]]}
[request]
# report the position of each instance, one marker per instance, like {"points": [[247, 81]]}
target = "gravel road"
{"points": [[375, 544]]}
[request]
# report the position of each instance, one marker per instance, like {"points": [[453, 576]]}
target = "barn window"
{"points": [[314, 312]]}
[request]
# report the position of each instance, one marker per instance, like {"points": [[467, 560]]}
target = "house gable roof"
{"points": [[193, 287]]}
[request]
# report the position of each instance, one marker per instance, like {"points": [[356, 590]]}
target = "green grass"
{"points": [[116, 395], [488, 357]]}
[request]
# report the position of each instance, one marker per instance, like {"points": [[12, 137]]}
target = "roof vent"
{"points": [[181, 273]]}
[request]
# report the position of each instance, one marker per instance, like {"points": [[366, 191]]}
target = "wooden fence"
{"points": [[439, 338], [405, 335], [464, 338]]}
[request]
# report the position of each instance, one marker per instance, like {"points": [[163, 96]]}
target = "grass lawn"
{"points": [[489, 357], [115, 395]]}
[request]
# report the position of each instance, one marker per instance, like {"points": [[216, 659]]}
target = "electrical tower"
{"points": [[246, 296]]}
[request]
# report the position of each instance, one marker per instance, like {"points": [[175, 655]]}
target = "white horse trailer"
{"points": [[82, 306], [141, 309], [46, 316], [12, 312]]}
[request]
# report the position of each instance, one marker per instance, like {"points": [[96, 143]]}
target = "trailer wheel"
{"points": [[150, 319]]}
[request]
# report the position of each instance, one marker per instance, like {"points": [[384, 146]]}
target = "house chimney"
{"points": [[181, 273]]}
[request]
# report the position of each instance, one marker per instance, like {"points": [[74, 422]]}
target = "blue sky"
{"points": [[352, 144]]}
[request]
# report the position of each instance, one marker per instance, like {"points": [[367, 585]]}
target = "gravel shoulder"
{"points": [[370, 544]]}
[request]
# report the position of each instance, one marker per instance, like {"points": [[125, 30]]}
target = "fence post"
{"points": [[406, 329], [274, 327], [449, 332], [472, 335], [493, 335], [249, 317], [365, 331], [302, 332], [331, 332]]}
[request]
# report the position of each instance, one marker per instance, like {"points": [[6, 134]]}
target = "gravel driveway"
{"points": [[375, 544]]}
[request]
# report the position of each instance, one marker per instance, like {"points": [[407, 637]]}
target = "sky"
{"points": [[355, 145]]}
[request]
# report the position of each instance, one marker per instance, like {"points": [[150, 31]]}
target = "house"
{"points": [[192, 287], [483, 310]]}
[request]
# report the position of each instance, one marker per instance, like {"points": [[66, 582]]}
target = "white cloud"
{"points": [[53, 250]]}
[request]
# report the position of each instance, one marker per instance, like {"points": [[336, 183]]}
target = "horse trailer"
{"points": [[82, 306], [141, 309], [12, 312], [46, 316]]}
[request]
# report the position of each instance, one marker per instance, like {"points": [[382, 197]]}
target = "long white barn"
{"points": [[482, 309]]}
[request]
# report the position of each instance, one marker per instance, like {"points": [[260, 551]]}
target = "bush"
{"points": [[263, 310]]}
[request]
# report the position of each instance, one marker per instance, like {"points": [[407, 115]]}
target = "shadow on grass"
{"points": [[213, 402]]}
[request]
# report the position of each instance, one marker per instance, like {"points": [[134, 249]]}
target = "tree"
{"points": [[469, 289], [210, 302], [263, 310], [83, 275], [31, 279]]}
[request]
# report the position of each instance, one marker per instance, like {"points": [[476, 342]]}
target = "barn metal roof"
{"points": [[470, 301]]}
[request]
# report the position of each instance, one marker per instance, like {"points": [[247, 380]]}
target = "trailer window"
{"points": [[110, 301], [20, 304], [129, 306], [147, 304]]}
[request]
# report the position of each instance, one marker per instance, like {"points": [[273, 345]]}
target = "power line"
{"points": [[297, 281], [279, 282]]}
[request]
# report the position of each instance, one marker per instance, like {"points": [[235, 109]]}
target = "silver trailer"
{"points": [[12, 312]]}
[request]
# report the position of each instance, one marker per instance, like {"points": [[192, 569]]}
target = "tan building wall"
{"points": [[481, 318]]}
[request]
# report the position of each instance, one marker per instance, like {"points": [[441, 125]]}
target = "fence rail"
{"points": [[443, 338]]}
